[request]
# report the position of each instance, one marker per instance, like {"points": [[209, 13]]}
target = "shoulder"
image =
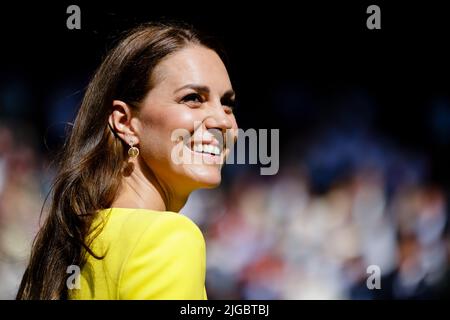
{"points": [[151, 226], [166, 259], [131, 235], [142, 232], [172, 231]]}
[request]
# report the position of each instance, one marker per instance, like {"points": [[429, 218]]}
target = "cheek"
{"points": [[184, 118], [177, 118], [158, 126]]}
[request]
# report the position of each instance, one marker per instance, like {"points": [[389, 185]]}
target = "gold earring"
{"points": [[133, 152]]}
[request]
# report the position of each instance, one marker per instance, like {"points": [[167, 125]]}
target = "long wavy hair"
{"points": [[93, 156]]}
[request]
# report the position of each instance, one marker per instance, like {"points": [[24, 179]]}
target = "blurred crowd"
{"points": [[277, 240], [22, 192], [309, 232], [317, 229]]}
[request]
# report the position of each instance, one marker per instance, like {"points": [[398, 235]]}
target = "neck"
{"points": [[142, 189]]}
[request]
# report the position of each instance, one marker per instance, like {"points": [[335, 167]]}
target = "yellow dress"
{"points": [[147, 255]]}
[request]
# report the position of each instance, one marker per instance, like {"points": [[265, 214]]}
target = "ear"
{"points": [[120, 121]]}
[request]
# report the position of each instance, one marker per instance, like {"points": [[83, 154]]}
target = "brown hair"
{"points": [[92, 158]]}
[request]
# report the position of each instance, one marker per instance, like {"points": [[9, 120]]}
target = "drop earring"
{"points": [[133, 152]]}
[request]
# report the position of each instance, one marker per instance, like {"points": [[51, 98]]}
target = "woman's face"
{"points": [[192, 96]]}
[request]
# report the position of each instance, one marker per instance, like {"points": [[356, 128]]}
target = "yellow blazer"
{"points": [[147, 255]]}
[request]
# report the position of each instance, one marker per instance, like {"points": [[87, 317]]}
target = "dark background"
{"points": [[348, 101], [293, 65]]}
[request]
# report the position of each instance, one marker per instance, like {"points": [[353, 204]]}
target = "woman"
{"points": [[120, 183]]}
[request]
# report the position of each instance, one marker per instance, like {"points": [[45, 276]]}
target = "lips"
{"points": [[207, 151]]}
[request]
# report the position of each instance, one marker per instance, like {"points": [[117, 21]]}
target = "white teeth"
{"points": [[207, 148], [198, 148]]}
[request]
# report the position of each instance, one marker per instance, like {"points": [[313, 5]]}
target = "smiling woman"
{"points": [[117, 194]]}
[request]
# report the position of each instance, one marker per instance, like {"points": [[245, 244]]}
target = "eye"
{"points": [[194, 98], [229, 104]]}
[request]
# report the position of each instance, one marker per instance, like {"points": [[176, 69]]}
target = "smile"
{"points": [[206, 152], [206, 148]]}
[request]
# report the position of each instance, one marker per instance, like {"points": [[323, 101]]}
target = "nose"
{"points": [[217, 118]]}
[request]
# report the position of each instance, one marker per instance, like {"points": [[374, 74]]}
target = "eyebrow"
{"points": [[205, 90]]}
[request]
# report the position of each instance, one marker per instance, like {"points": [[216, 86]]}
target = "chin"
{"points": [[211, 185], [205, 177]]}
